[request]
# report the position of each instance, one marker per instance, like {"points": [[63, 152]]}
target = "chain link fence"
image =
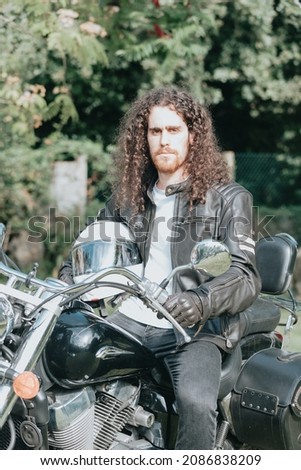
{"points": [[275, 183], [273, 179]]}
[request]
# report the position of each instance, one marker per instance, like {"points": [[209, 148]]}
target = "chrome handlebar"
{"points": [[150, 291]]}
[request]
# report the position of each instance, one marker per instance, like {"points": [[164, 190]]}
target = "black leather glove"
{"points": [[185, 308]]}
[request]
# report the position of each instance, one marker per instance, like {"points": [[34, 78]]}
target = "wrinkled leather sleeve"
{"points": [[235, 290], [65, 271]]}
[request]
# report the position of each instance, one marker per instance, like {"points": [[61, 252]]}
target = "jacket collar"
{"points": [[170, 189]]}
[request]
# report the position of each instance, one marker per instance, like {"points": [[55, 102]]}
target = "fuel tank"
{"points": [[85, 349]]}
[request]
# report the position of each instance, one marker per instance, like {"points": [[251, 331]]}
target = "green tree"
{"points": [[241, 57], [40, 43], [44, 45]]}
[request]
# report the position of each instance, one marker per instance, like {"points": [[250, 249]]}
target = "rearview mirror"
{"points": [[211, 257]]}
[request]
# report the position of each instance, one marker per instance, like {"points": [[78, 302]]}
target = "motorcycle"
{"points": [[70, 379]]}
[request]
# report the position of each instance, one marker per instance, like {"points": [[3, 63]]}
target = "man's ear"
{"points": [[191, 138]]}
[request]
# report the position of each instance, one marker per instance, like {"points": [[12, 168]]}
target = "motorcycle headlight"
{"points": [[6, 317]]}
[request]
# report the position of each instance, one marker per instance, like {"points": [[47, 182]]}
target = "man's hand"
{"points": [[185, 308]]}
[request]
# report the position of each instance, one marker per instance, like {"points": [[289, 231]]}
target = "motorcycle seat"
{"points": [[230, 369], [275, 260]]}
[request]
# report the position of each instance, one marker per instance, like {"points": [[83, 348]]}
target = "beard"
{"points": [[168, 162]]}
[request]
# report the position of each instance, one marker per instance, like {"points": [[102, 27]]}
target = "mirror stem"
{"points": [[165, 281]]}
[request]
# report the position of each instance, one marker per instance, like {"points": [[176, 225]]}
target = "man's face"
{"points": [[168, 139]]}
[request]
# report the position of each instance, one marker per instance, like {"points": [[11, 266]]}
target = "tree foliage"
{"points": [[241, 57], [68, 64], [40, 43]]}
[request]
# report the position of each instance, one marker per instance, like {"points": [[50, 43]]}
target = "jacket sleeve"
{"points": [[235, 290], [65, 271]]}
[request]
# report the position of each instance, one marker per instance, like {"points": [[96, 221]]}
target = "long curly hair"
{"points": [[133, 167]]}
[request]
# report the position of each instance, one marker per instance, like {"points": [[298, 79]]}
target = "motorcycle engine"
{"points": [[110, 410], [102, 417]]}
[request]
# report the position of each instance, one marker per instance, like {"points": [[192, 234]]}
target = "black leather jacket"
{"points": [[226, 216]]}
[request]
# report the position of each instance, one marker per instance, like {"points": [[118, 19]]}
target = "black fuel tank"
{"points": [[85, 349]]}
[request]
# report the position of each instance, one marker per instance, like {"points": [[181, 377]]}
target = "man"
{"points": [[173, 190]]}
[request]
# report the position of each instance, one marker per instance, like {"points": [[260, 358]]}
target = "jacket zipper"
{"points": [[172, 254]]}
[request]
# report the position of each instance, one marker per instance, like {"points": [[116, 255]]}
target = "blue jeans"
{"points": [[195, 370]]}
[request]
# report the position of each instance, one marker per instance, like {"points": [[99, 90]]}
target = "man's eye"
{"points": [[155, 131]]}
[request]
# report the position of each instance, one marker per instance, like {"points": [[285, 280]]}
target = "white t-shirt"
{"points": [[159, 262]]}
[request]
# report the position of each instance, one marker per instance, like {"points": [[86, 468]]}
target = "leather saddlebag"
{"points": [[266, 402]]}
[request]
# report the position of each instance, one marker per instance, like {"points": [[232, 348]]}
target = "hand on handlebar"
{"points": [[185, 308]]}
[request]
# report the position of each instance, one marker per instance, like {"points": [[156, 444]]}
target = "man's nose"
{"points": [[164, 137]]}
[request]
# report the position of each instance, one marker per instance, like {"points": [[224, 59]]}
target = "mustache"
{"points": [[165, 151]]}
